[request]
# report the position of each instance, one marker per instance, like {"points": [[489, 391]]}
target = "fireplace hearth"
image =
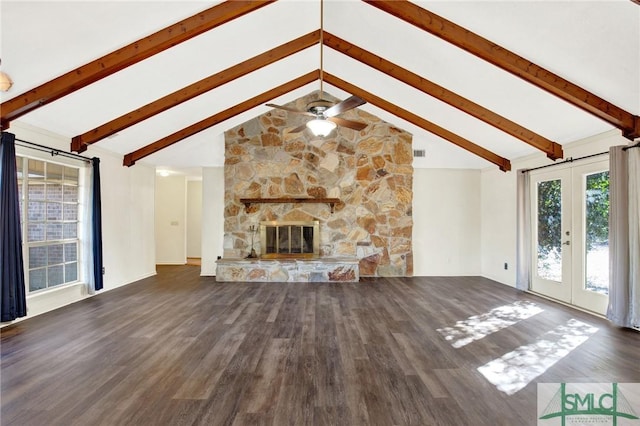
{"points": [[289, 252]]}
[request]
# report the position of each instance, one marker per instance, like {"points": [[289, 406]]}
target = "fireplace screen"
{"points": [[289, 239]]}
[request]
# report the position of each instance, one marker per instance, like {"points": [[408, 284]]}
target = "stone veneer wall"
{"points": [[369, 171]]}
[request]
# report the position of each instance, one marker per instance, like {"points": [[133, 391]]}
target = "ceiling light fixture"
{"points": [[5, 81], [320, 126]]}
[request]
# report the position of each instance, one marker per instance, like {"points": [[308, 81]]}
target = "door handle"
{"points": [[566, 243]]}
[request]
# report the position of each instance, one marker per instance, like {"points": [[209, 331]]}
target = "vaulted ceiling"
{"points": [[478, 83]]}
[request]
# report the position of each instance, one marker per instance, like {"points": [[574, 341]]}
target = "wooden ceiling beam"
{"points": [[125, 56], [552, 149], [131, 158], [491, 52], [503, 163], [79, 143]]}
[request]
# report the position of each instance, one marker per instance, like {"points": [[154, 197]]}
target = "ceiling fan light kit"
{"points": [[321, 127], [5, 81]]}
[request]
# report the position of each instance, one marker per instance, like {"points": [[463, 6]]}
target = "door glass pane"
{"points": [[549, 264], [597, 232]]}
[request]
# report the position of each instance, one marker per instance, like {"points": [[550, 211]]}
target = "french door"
{"points": [[570, 234]]}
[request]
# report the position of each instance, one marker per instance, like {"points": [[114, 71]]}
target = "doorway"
{"points": [[194, 222], [570, 234]]}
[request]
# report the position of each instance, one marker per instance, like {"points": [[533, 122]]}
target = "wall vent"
{"points": [[421, 153]]}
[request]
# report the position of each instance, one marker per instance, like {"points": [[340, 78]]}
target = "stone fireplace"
{"points": [[365, 229]]}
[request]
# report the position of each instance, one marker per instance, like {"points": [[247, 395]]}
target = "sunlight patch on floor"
{"points": [[514, 370], [479, 326]]}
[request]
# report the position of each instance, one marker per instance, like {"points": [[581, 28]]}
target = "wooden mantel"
{"points": [[248, 201]]}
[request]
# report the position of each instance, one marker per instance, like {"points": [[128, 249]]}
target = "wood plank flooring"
{"points": [[180, 349]]}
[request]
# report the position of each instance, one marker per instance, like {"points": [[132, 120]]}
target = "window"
{"points": [[49, 216]]}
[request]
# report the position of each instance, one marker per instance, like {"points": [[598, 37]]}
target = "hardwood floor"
{"points": [[180, 349], [194, 261]]}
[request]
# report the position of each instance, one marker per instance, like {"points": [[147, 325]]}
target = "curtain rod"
{"points": [[571, 159], [53, 151], [568, 160]]}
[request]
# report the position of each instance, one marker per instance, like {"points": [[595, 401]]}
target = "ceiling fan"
{"points": [[324, 111]]}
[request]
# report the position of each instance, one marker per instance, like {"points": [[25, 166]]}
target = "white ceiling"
{"points": [[594, 44]]}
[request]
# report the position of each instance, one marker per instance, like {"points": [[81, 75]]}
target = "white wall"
{"points": [[194, 218], [498, 210], [171, 218], [212, 218], [498, 224], [446, 223], [127, 221]]}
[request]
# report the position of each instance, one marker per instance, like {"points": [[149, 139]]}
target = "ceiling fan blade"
{"points": [[355, 125], [290, 109], [344, 106], [298, 129]]}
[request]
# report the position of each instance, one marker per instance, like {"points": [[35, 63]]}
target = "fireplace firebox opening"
{"points": [[289, 239]]}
